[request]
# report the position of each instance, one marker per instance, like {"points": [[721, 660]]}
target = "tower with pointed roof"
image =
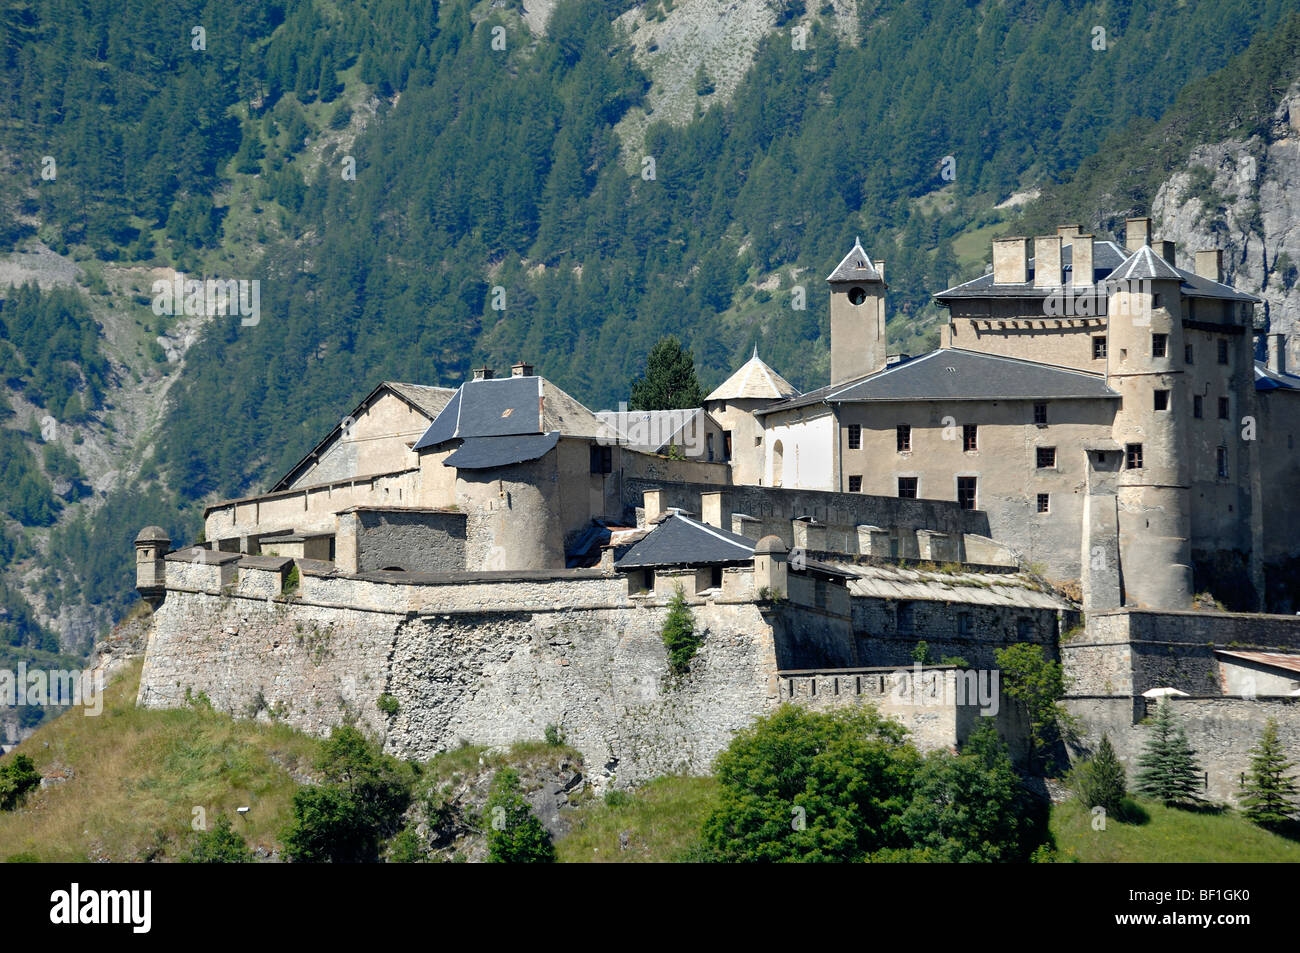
{"points": [[857, 316], [733, 404]]}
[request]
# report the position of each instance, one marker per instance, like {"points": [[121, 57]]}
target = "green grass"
{"points": [[135, 776], [1170, 836], [662, 820]]}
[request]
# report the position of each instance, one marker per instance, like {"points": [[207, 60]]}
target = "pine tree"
{"points": [[680, 638], [1269, 795], [1169, 770], [669, 382], [515, 835], [1101, 781]]}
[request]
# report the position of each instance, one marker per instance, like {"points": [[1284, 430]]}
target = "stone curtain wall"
{"points": [[1221, 730], [875, 625], [424, 541]]}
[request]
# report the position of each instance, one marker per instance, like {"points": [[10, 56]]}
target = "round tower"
{"points": [[1145, 366], [151, 545]]}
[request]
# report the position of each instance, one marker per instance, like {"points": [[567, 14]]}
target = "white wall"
{"points": [[808, 451]]}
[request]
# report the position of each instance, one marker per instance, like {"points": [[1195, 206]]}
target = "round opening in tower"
{"points": [[857, 296]]}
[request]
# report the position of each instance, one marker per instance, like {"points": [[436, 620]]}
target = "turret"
{"points": [[857, 316], [151, 545], [1145, 358]]}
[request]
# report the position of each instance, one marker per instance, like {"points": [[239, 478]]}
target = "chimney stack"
{"points": [[1010, 261], [521, 370], [1137, 232], [1165, 249], [880, 269], [1047, 261], [1209, 264], [1081, 261], [1068, 231], [484, 373], [1276, 351]]}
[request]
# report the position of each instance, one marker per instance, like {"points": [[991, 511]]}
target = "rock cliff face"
{"points": [[1243, 195]]}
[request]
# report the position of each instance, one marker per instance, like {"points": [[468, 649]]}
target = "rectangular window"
{"points": [[715, 577], [1159, 345], [1222, 459], [1133, 456], [1046, 457], [855, 436], [726, 444], [1040, 413], [1155, 301], [904, 438], [1223, 408], [966, 492], [708, 443], [907, 488], [970, 437], [1198, 406], [903, 618], [963, 625], [1098, 347], [855, 484], [602, 459], [1223, 350], [1162, 400], [1043, 502], [1187, 354]]}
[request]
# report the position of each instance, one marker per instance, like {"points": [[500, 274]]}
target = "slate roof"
{"points": [[1108, 259], [855, 266], [957, 374], [1270, 380], [1145, 264], [972, 588], [754, 380], [422, 397], [509, 406], [680, 540], [484, 453], [650, 430]]}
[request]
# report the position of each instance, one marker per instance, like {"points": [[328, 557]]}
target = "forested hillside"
{"points": [[421, 186]]}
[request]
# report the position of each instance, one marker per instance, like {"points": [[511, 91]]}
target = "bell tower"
{"points": [[857, 316]]}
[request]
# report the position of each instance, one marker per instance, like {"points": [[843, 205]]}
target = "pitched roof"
{"points": [[509, 406], [1282, 660], [754, 380], [1266, 379], [957, 374], [429, 401], [855, 266], [1107, 259], [650, 430], [484, 453], [1145, 265], [680, 540]]}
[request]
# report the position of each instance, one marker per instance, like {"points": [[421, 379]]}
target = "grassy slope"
{"points": [[136, 776], [662, 821]]}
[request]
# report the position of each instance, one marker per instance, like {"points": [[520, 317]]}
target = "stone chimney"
{"points": [[1209, 264], [1276, 350], [654, 506], [1068, 232], [1047, 261], [1010, 261], [770, 570], [1137, 232], [714, 509], [1081, 261], [521, 370], [1165, 249], [880, 268], [484, 373]]}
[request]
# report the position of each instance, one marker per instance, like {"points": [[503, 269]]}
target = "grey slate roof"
{"points": [[509, 406], [1269, 380], [680, 540], [956, 374], [1107, 259], [483, 453], [855, 266], [650, 430], [1144, 265]]}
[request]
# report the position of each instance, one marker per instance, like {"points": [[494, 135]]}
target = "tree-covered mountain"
{"points": [[419, 187]]}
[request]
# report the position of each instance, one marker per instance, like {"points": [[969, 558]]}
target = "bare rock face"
{"points": [[126, 642], [1243, 196]]}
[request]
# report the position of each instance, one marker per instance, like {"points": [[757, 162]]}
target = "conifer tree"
{"points": [[515, 835], [1169, 769], [1101, 781], [1269, 795], [669, 382]]}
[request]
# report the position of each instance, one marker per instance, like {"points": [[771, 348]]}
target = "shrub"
{"points": [[221, 845], [679, 634], [387, 704], [1100, 780], [1037, 684], [515, 835], [554, 736], [17, 778], [922, 655]]}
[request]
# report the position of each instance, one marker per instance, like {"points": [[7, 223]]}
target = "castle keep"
{"points": [[1093, 436]]}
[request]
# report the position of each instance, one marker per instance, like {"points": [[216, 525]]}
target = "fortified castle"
{"points": [[1092, 445]]}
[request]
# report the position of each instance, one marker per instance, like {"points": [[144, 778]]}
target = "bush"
{"points": [[221, 845], [514, 835], [359, 805], [554, 736], [1100, 780], [387, 704], [679, 634], [17, 778]]}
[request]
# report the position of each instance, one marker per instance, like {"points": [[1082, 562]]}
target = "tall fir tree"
{"points": [[1269, 794], [1169, 771], [669, 382], [1101, 781]]}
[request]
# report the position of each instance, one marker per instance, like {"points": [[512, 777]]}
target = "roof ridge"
{"points": [[711, 530]]}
